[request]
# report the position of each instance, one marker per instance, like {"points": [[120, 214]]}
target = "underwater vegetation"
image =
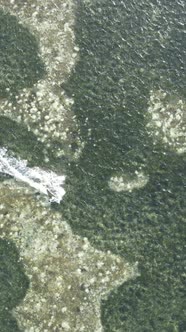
{"points": [[68, 277], [127, 49], [13, 284], [20, 64], [42, 106], [14, 136]]}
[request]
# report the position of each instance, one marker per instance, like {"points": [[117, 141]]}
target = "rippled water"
{"points": [[128, 49]]}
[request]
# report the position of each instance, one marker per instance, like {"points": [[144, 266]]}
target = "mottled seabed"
{"points": [[68, 277], [41, 104], [104, 103]]}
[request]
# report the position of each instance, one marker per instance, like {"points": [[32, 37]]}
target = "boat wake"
{"points": [[46, 182]]}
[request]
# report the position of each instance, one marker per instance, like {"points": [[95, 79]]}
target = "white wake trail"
{"points": [[46, 182]]}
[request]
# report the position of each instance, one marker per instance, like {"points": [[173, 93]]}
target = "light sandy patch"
{"points": [[166, 120], [45, 108], [126, 182], [68, 277]]}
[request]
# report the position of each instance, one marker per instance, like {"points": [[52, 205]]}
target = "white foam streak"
{"points": [[46, 182]]}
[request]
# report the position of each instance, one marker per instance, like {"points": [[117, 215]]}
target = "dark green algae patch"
{"points": [[125, 51], [20, 67], [20, 63], [25, 145], [13, 285], [18, 70], [121, 59]]}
